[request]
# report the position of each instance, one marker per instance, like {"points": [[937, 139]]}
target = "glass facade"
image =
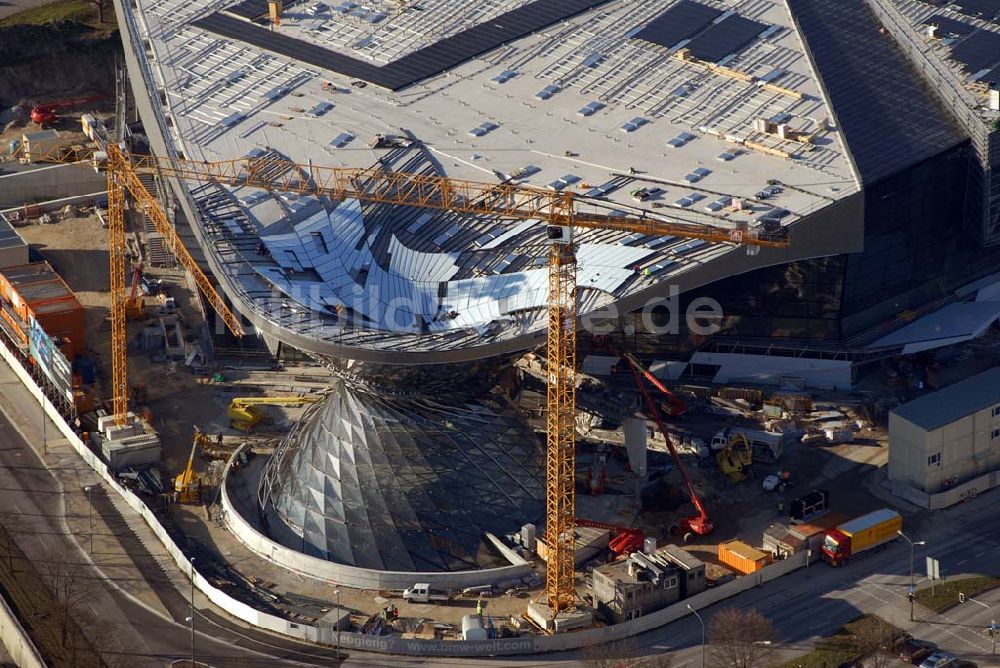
{"points": [[402, 484], [917, 250]]}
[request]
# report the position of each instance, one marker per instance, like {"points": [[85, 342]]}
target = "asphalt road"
{"points": [[962, 630], [30, 491]]}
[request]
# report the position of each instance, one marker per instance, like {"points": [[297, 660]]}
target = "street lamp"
{"points": [[337, 593], [913, 594], [87, 490], [702, 622], [192, 612]]}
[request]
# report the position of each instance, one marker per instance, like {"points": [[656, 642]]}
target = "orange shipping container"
{"points": [[37, 291], [742, 558]]}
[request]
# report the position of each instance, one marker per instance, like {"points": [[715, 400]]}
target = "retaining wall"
{"points": [[352, 576], [17, 643], [47, 183], [49, 206]]}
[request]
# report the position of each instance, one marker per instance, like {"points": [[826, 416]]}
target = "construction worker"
{"points": [[479, 607]]}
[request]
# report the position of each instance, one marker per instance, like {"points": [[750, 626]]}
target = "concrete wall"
{"points": [[50, 182], [957, 494], [16, 641], [768, 370], [963, 449], [907, 452], [352, 576]]}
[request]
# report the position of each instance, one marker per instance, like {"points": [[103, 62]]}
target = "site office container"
{"points": [[742, 558], [813, 531], [36, 291]]}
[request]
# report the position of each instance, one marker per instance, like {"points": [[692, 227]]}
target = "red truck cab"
{"points": [[836, 547]]}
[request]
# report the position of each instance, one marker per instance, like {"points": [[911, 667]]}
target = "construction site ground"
{"points": [[179, 400]]}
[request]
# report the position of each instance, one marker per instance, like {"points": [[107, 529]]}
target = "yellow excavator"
{"points": [[187, 486], [734, 457], [245, 413]]}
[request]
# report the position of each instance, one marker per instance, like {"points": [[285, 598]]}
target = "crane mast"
{"points": [[116, 269], [560, 455]]}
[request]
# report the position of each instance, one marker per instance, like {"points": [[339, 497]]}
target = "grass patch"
{"points": [[80, 11], [945, 594], [841, 647]]}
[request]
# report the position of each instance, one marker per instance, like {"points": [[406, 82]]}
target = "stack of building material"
{"points": [[129, 445]]}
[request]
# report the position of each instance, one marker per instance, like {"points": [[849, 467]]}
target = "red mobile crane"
{"points": [[134, 301], [699, 524], [673, 405], [45, 114]]}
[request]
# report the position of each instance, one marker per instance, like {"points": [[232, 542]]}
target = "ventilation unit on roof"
{"points": [[994, 101]]}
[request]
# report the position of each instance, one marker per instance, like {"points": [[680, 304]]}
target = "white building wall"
{"points": [[935, 460]]}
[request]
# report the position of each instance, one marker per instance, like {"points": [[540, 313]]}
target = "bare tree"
{"points": [[70, 586], [12, 523], [100, 4], [874, 636], [109, 643], [615, 654], [740, 638]]}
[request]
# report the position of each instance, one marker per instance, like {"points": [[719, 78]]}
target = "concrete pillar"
{"points": [[635, 445]]}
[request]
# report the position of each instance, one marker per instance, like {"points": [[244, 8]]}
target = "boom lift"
{"points": [[134, 303], [245, 415], [673, 405], [45, 113], [699, 524], [187, 486], [558, 209]]}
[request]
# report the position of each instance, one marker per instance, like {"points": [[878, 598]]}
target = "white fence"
{"points": [[16, 641]]}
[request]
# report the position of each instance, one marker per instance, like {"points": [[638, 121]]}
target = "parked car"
{"points": [[939, 660], [914, 651]]}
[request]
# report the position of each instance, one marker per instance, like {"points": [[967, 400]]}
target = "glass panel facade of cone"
{"points": [[398, 483]]}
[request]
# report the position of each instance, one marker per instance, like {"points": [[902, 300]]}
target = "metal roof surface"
{"points": [[865, 521], [956, 401], [433, 59], [888, 117], [679, 22], [9, 238]]}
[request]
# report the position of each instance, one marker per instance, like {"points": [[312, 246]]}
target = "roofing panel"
{"points": [[948, 27], [978, 52], [725, 37], [429, 61], [966, 397], [979, 8], [993, 76], [249, 9], [678, 23], [888, 119]]}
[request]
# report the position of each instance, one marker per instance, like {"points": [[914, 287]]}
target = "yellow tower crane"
{"points": [[122, 178], [558, 209]]}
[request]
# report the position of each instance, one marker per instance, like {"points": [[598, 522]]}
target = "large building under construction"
{"points": [[818, 119]]}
